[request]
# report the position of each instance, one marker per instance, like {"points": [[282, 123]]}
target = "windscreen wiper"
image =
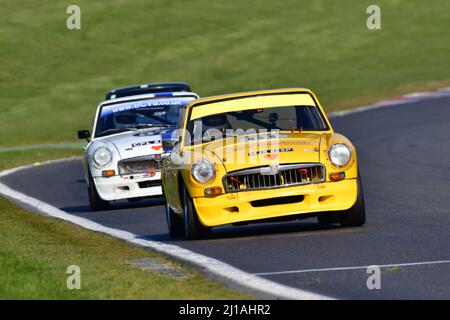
{"points": [[114, 130], [145, 126]]}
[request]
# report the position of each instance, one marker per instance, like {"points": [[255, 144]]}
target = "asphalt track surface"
{"points": [[404, 156]]}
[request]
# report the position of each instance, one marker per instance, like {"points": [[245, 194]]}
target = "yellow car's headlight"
{"points": [[203, 170], [340, 154]]}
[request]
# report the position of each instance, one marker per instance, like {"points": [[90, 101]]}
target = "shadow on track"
{"points": [[254, 230], [118, 205]]}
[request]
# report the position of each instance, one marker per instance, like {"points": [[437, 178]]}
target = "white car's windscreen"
{"points": [[162, 112]]}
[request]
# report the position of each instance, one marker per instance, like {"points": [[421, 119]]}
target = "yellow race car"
{"points": [[259, 156]]}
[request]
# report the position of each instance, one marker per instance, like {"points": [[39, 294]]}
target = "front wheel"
{"points": [[193, 229], [353, 217], [326, 219], [356, 215], [96, 203]]}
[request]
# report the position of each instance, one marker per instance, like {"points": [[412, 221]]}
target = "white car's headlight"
{"points": [[103, 156], [340, 154], [203, 170]]}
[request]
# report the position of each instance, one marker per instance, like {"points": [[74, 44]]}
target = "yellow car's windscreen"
{"points": [[267, 101], [237, 118]]}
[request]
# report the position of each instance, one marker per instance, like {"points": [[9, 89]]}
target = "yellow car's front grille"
{"points": [[277, 176]]}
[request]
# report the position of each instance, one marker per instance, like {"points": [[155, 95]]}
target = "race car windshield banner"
{"points": [[151, 103]]}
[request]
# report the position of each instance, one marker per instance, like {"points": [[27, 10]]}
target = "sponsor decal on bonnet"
{"points": [[261, 152], [145, 143]]}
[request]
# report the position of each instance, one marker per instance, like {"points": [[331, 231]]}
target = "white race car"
{"points": [[123, 156]]}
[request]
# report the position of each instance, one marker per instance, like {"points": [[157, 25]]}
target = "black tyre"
{"points": [[175, 223], [356, 215], [193, 229], [97, 203], [327, 218]]}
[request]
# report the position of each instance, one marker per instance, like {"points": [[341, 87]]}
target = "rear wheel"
{"points": [[193, 229], [96, 203], [174, 222]]}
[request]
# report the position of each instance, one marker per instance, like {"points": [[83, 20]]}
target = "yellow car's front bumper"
{"points": [[240, 206]]}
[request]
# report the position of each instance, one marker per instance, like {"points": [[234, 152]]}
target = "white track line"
{"points": [[410, 264], [214, 267]]}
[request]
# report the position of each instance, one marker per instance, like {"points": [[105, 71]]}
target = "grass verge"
{"points": [[16, 158], [52, 79], [36, 252]]}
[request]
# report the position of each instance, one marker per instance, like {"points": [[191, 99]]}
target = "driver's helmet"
{"points": [[215, 125], [124, 120], [216, 121]]}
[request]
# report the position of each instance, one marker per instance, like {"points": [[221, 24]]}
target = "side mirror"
{"points": [[84, 134]]}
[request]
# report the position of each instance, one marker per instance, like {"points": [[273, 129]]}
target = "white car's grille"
{"points": [[138, 166]]}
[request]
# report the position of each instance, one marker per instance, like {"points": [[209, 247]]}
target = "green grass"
{"points": [[12, 159], [35, 252], [51, 79]]}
